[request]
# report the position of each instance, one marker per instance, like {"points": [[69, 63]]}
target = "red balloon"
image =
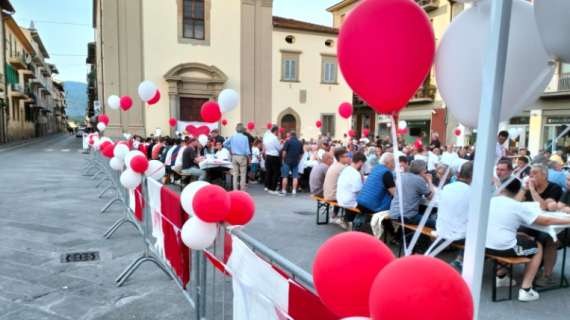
{"points": [[380, 72], [281, 130], [126, 103], [345, 110], [365, 132], [250, 125], [242, 208], [224, 122], [401, 131], [420, 287], [154, 99], [104, 145], [172, 122], [139, 164], [211, 204], [205, 130], [351, 133], [318, 124], [269, 125], [211, 112], [103, 118], [457, 132], [108, 150], [344, 269], [191, 130]]}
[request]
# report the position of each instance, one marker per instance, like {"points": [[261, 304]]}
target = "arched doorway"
{"points": [[289, 123]]}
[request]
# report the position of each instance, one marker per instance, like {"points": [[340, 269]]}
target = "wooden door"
{"points": [[190, 108]]}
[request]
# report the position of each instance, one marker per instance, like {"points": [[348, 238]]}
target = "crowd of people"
{"points": [[361, 174]]}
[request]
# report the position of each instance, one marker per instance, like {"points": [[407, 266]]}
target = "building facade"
{"points": [[426, 111], [30, 105], [193, 49], [307, 83]]}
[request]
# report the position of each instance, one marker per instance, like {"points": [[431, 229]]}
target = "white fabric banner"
{"points": [[260, 292], [155, 207]]}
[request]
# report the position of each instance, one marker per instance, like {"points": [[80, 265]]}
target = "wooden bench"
{"points": [[507, 263], [323, 209]]}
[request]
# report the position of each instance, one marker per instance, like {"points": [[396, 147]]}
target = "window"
{"points": [[329, 43], [290, 39], [328, 124], [190, 109], [290, 66], [329, 70], [193, 19]]}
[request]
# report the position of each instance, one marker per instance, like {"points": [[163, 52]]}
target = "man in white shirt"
{"points": [[500, 150], [272, 152], [506, 215], [350, 182], [453, 206], [178, 161]]}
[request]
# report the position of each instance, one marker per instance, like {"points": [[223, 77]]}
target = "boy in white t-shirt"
{"points": [[506, 215], [255, 159]]}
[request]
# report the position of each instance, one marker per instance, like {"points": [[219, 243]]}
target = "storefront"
{"points": [[556, 135]]}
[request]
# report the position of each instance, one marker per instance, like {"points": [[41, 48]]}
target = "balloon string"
{"points": [[398, 179], [426, 214]]}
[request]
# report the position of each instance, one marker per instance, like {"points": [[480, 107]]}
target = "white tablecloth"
{"points": [[215, 163], [553, 230]]}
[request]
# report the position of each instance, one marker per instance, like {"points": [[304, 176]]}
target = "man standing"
{"points": [[238, 144], [272, 150], [500, 150], [191, 161], [292, 153], [317, 177]]}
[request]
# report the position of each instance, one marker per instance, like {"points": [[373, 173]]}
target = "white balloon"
{"points": [[130, 179], [459, 63], [120, 151], [520, 131], [553, 25], [101, 126], [228, 100], [147, 90], [116, 163], [513, 133], [127, 135], [187, 195], [156, 170], [114, 102], [402, 124], [197, 234], [99, 142], [130, 155], [203, 140]]}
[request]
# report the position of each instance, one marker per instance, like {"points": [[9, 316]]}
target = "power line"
{"points": [[59, 22]]}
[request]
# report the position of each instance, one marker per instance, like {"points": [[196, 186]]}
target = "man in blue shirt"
{"points": [[557, 175], [238, 144], [292, 153], [379, 188]]}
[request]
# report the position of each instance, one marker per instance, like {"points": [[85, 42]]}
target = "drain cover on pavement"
{"points": [[304, 213], [80, 256]]}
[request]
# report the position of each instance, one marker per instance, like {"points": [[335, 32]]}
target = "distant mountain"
{"points": [[76, 98]]}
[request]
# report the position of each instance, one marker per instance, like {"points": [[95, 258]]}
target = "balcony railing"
{"points": [[564, 82], [17, 61], [428, 5]]}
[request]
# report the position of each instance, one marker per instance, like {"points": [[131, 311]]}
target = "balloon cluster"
{"points": [[136, 165], [380, 287], [208, 205], [148, 92]]}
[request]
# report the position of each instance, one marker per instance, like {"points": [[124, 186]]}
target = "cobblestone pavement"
{"points": [[47, 209]]}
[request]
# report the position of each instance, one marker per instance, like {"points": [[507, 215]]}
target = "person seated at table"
{"points": [[209, 149], [317, 177], [221, 152], [379, 188], [564, 204], [506, 215], [522, 162], [416, 185], [404, 163], [556, 173], [191, 161], [215, 135], [170, 159], [178, 158], [453, 209], [349, 185], [331, 180], [440, 172], [503, 171]]}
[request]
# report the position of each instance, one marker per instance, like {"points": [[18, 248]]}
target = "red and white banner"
{"points": [[262, 291]]}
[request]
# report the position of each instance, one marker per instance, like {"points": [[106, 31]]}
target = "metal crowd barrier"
{"points": [[209, 292]]}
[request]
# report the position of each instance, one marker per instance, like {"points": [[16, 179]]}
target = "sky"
{"points": [[65, 27]]}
